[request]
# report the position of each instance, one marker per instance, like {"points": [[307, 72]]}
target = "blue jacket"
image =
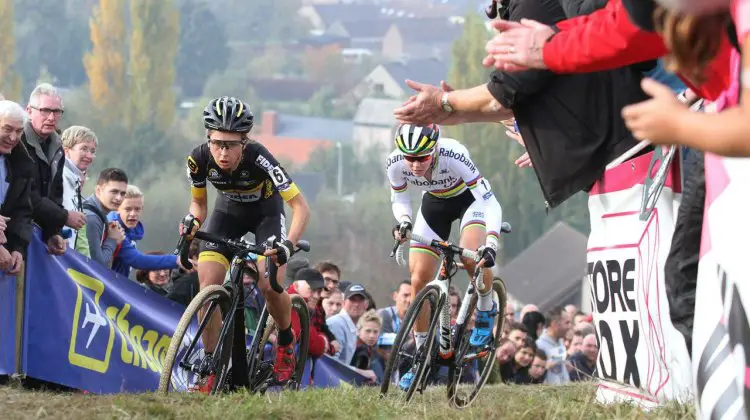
{"points": [[128, 256]]}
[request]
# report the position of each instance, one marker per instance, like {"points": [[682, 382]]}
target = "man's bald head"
{"points": [[589, 347]]}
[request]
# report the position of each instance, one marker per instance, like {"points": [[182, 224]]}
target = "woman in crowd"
{"points": [[79, 144], [156, 280], [693, 41], [517, 370]]}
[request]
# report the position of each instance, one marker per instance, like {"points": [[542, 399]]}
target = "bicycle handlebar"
{"points": [[443, 246], [239, 247]]}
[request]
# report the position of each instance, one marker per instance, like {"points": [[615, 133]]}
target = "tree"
{"points": [[51, 38], [151, 68], [10, 81], [326, 66], [356, 172], [105, 63], [203, 47], [516, 189], [232, 83], [273, 62]]}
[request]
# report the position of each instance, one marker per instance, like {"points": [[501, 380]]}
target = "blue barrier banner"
{"points": [[7, 324], [89, 328], [330, 372]]}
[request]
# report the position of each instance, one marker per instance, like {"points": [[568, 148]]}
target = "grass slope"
{"points": [[495, 402]]}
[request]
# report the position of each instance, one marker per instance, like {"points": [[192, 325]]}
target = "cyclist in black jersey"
{"points": [[252, 189]]}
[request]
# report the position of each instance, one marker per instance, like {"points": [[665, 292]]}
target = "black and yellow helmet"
{"points": [[416, 140], [228, 113]]}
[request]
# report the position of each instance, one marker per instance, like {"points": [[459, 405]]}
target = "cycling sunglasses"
{"points": [[417, 158]]}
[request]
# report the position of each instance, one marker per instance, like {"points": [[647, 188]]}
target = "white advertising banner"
{"points": [[642, 357], [721, 329]]}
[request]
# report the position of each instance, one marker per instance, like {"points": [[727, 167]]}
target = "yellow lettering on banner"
{"points": [[135, 336], [139, 347], [160, 352], [151, 337]]}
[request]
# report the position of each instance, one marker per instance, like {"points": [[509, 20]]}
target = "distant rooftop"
{"points": [[318, 128], [377, 112]]}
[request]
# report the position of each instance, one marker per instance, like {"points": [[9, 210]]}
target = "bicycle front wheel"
{"points": [[185, 361], [260, 366], [486, 360], [403, 355]]}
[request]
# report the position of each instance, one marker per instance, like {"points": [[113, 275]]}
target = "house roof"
{"points": [[323, 40], [425, 70], [433, 30], [295, 150], [314, 128], [284, 90], [376, 112], [367, 27], [549, 283]]}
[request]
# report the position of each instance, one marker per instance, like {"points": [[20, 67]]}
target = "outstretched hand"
{"points": [[423, 108], [517, 46], [656, 119]]}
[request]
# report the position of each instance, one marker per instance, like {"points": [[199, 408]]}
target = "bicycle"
{"points": [[233, 364], [453, 349]]}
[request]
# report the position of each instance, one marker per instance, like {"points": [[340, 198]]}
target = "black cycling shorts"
{"points": [[230, 219], [436, 215]]}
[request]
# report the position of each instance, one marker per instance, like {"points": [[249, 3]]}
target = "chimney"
{"points": [[268, 123]]}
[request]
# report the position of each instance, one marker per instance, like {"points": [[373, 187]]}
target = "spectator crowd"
{"points": [[46, 169]]}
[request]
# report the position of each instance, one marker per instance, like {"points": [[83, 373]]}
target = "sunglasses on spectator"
{"points": [[417, 158], [46, 111], [331, 280]]}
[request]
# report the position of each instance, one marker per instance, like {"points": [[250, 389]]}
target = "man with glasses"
{"points": [[252, 188], [454, 190], [40, 137], [331, 275]]}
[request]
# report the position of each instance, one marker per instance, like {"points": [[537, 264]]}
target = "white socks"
{"points": [[484, 302]]}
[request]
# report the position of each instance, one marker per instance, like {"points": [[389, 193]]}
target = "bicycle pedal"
{"points": [[264, 374]]}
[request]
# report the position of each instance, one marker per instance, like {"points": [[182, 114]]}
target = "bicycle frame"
{"points": [[448, 268], [236, 290]]}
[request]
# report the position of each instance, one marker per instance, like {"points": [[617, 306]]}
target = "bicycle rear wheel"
{"points": [[485, 361], [184, 362], [403, 346]]}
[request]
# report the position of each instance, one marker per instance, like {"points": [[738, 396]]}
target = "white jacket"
{"points": [[72, 184]]}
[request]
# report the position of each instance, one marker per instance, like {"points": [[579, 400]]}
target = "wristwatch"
{"points": [[445, 104]]}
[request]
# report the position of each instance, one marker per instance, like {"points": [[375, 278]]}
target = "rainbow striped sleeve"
{"points": [[399, 189], [473, 183]]}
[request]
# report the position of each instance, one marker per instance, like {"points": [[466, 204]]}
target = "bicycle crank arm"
{"points": [[471, 356]]}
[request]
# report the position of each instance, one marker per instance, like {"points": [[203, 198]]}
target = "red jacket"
{"points": [[318, 342], [607, 39]]}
